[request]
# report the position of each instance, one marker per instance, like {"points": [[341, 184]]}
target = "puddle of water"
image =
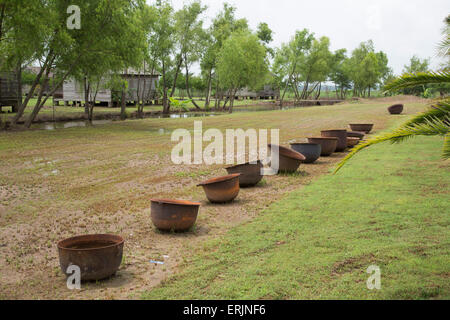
{"points": [[185, 115], [85, 123], [69, 124]]}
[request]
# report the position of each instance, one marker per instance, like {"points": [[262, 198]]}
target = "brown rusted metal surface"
{"points": [[222, 189], [352, 141], [328, 144], [356, 134], [362, 127], [99, 255], [250, 173], [311, 151], [176, 215], [337, 133], [289, 160], [396, 109]]}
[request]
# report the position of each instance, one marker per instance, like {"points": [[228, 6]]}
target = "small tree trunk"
{"points": [[208, 95], [19, 85], [318, 93], [38, 105], [187, 86], [86, 97], [166, 106], [180, 62], [21, 109], [123, 106]]}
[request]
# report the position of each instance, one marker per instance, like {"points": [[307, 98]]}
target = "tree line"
{"points": [[155, 38]]}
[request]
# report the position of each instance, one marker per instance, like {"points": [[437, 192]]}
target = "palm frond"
{"points": [[412, 80], [429, 127], [446, 148]]}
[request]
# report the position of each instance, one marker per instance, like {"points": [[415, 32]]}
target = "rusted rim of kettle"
{"points": [[290, 153], [245, 164], [304, 144], [219, 179], [335, 130], [361, 124], [176, 202], [118, 240], [325, 138], [353, 138]]}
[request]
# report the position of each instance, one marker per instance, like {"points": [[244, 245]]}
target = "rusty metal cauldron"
{"points": [[99, 255], [328, 144], [352, 141], [176, 215], [356, 134], [362, 127], [341, 135], [250, 173], [311, 151], [396, 109], [222, 189], [289, 160]]}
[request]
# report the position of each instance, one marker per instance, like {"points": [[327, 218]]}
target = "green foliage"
{"points": [[180, 104], [421, 78], [367, 69], [242, 62]]}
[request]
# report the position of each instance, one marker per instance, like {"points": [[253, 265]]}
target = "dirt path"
{"points": [[55, 185]]}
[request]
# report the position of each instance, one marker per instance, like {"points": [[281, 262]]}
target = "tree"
{"points": [[64, 51], [367, 68], [315, 68], [190, 35], [288, 60], [224, 24], [119, 46], [415, 66], [161, 46], [242, 63], [23, 30], [339, 73], [265, 34]]}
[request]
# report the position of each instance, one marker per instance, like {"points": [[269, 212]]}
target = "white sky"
{"points": [[400, 28]]}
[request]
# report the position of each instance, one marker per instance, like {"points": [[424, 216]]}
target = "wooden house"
{"points": [[72, 91], [268, 92], [9, 90]]}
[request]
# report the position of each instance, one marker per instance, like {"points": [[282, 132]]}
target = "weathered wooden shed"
{"points": [[9, 90], [268, 92], [145, 84]]}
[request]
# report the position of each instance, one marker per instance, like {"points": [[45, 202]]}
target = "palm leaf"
{"points": [[446, 149], [429, 127], [412, 80]]}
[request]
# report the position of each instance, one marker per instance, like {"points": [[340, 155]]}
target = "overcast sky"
{"points": [[400, 28]]}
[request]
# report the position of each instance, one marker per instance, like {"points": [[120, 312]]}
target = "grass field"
{"points": [[60, 183], [388, 208]]}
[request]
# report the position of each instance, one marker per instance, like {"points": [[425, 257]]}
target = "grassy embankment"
{"points": [[389, 207]]}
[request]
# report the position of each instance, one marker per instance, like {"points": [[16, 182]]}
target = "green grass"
{"points": [[388, 207]]}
